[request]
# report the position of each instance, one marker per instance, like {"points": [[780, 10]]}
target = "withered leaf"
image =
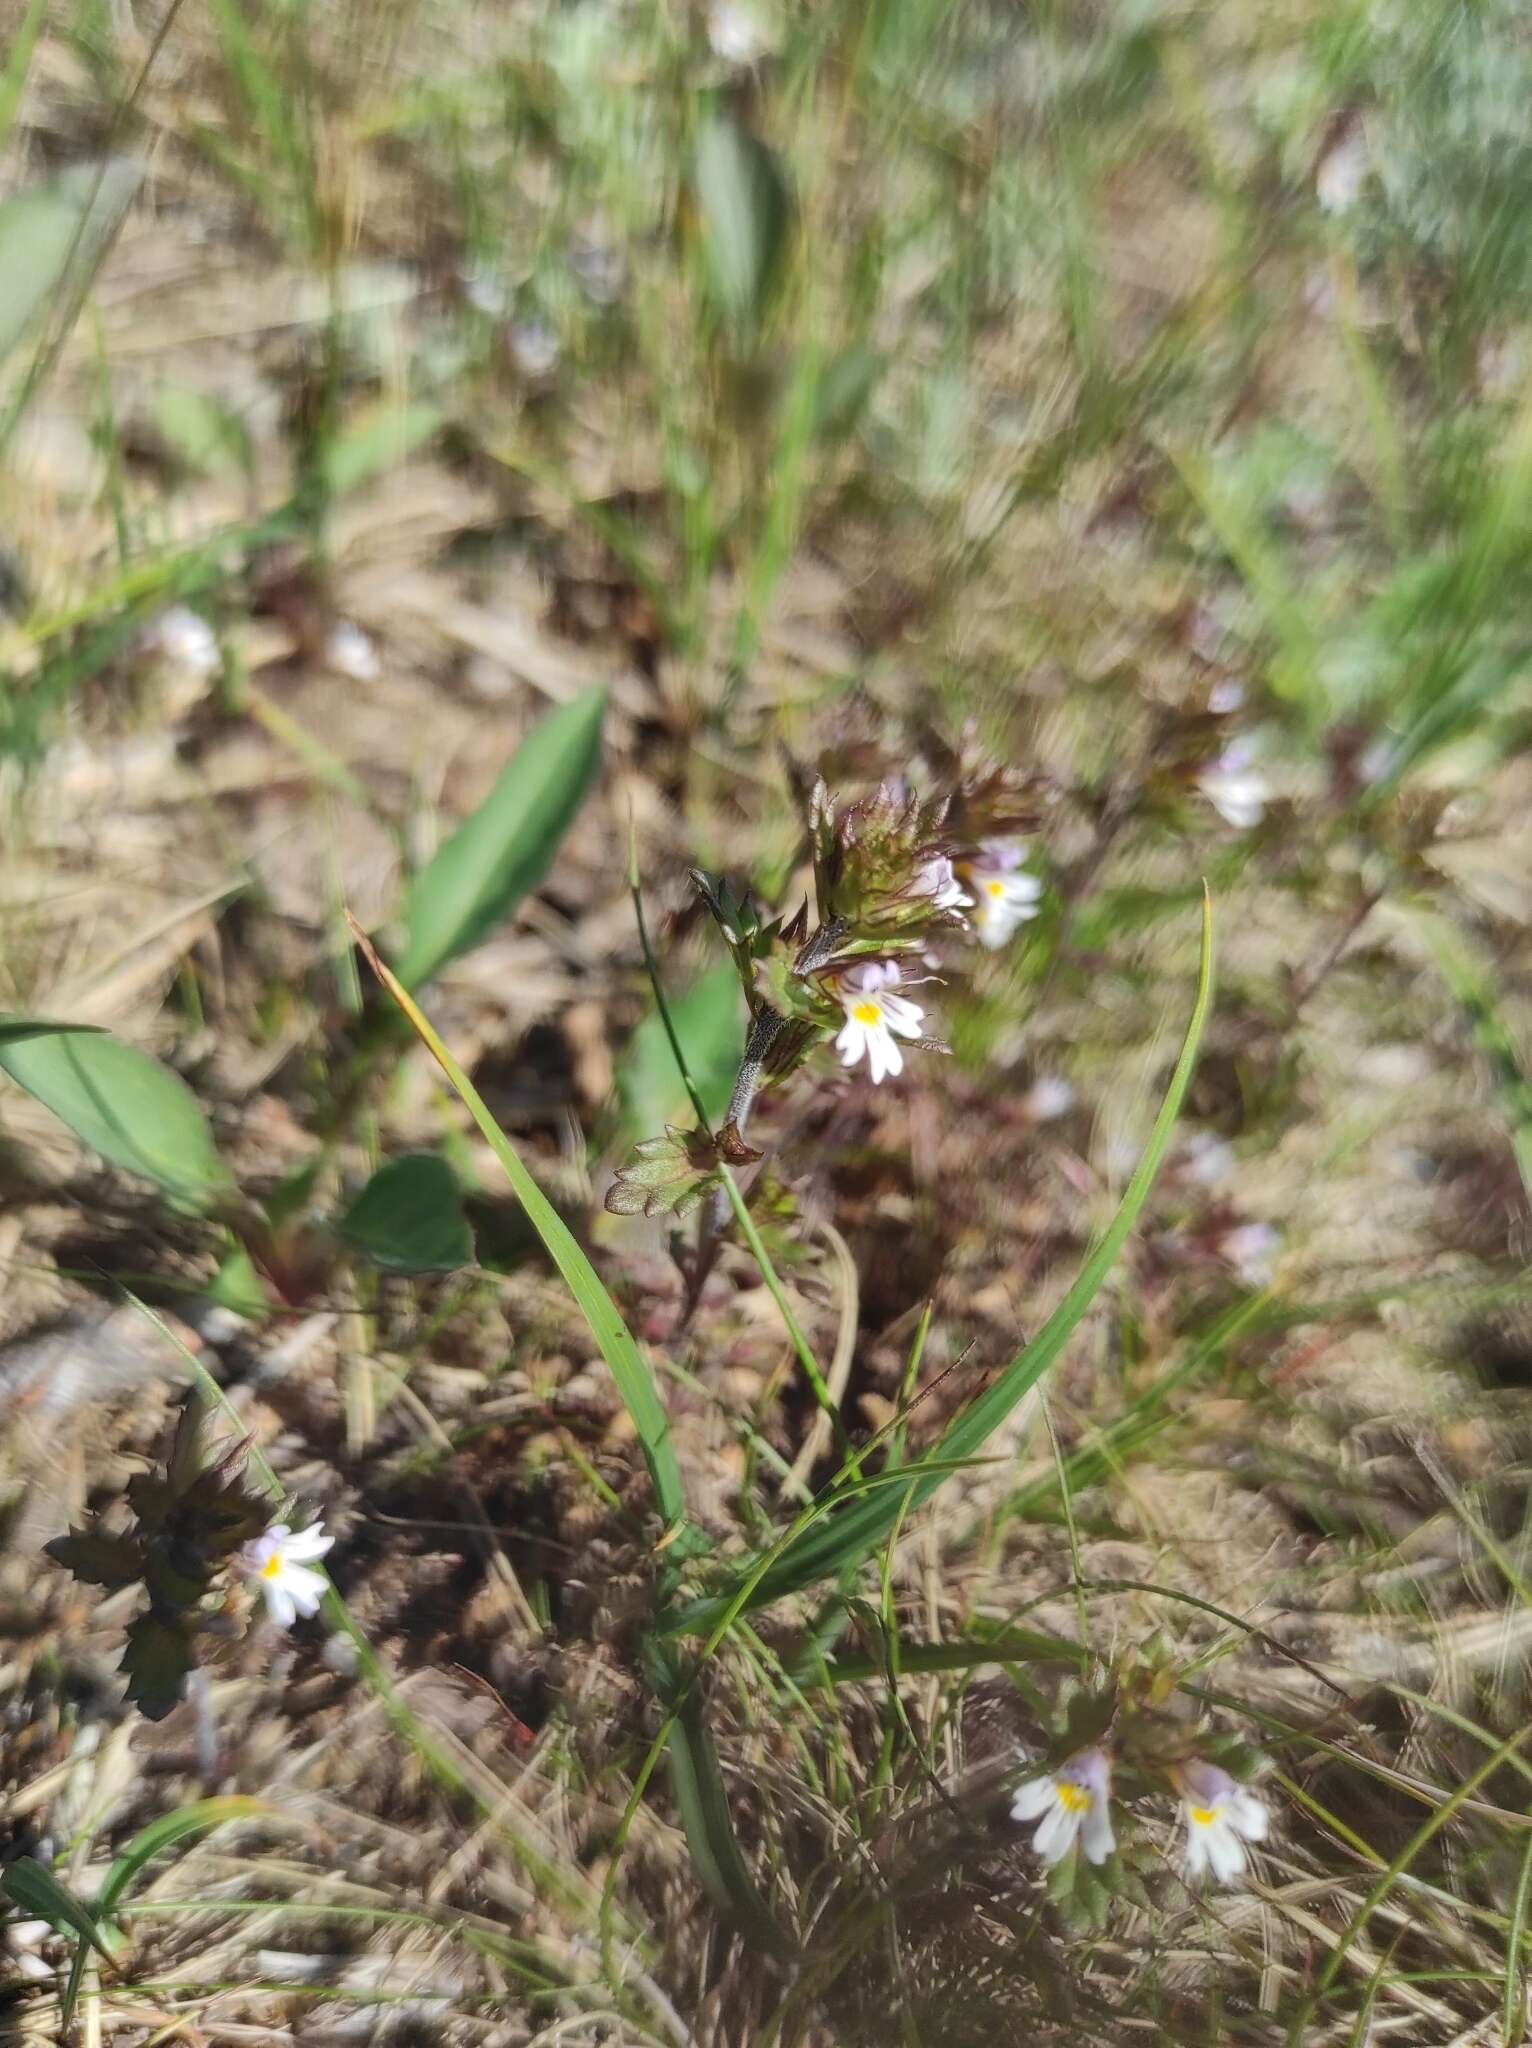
{"points": [[666, 1176]]}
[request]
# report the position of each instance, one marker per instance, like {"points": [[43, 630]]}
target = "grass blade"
{"points": [[629, 1369]]}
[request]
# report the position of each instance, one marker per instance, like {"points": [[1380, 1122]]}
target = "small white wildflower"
{"points": [[1226, 695], [1343, 172], [1004, 894], [350, 652], [1049, 1096], [1072, 1804], [1235, 787], [734, 34], [534, 345], [1249, 1249], [1221, 1817], [873, 1015], [1206, 1158], [278, 1562], [600, 268], [185, 638], [486, 293], [937, 879]]}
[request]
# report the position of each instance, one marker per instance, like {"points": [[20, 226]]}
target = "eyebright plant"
{"points": [[894, 873], [192, 1521], [1118, 1746]]}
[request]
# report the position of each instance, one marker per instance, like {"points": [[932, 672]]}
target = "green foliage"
{"points": [[409, 1217], [53, 236], [830, 1546], [201, 432], [479, 875], [746, 209], [709, 1022], [121, 1103]]}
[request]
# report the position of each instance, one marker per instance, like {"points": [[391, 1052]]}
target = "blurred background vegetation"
{"points": [[1139, 392]]}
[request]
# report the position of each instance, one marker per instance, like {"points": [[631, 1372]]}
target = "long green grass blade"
{"points": [[634, 1380], [851, 1535]]}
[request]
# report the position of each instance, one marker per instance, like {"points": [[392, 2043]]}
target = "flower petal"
{"points": [[1034, 1796], [1055, 1837]]}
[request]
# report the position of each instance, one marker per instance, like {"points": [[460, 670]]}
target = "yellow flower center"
{"points": [[995, 888], [867, 1013], [1075, 1798], [272, 1568], [1204, 1816]]}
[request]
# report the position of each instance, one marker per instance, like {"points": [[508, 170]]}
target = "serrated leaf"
{"points": [[746, 210], [506, 847], [52, 236], [666, 1176], [409, 1217], [98, 1559], [709, 1019], [156, 1661], [121, 1103]]}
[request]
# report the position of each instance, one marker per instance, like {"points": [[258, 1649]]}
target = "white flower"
{"points": [[936, 879], [348, 650], [1206, 1158], [734, 34], [1221, 1816], [872, 1018], [184, 637], [1074, 1803], [276, 1561], [1235, 787], [1248, 1249], [1049, 1096], [1343, 172], [1226, 695], [1004, 894], [534, 345]]}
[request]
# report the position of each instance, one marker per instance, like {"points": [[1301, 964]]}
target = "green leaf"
{"points": [[506, 847], [710, 1024], [33, 1887], [409, 1217], [98, 1559], [746, 208], [157, 1660], [193, 1819], [376, 443], [52, 236], [201, 432], [238, 1286], [121, 1103], [845, 1538]]}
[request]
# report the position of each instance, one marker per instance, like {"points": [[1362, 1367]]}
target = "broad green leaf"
{"points": [[746, 209], [52, 236], [846, 1537], [710, 1024], [164, 1833], [201, 432], [377, 443], [121, 1103], [409, 1217], [505, 848], [238, 1286]]}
